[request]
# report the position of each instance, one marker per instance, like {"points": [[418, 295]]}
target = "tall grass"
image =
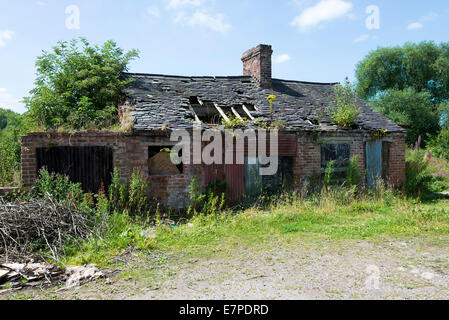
{"points": [[333, 213]]}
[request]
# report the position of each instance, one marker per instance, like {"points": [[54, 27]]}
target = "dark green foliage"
{"points": [[423, 66], [329, 173], [130, 198], [420, 173], [204, 203], [353, 176], [409, 108], [57, 187], [9, 119], [12, 126], [408, 84], [440, 144], [78, 85]]}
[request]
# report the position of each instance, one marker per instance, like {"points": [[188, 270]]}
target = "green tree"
{"points": [[423, 66], [409, 108], [78, 85], [8, 118], [12, 127], [440, 143], [409, 84]]}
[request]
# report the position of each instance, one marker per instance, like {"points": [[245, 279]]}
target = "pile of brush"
{"points": [[39, 226]]}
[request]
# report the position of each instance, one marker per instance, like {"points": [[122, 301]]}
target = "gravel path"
{"points": [[329, 270], [283, 269]]}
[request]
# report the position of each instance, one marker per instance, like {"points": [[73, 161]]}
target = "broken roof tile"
{"points": [[165, 99]]}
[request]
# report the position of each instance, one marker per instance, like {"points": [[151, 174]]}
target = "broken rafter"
{"points": [[247, 112], [236, 113], [220, 110], [197, 119]]}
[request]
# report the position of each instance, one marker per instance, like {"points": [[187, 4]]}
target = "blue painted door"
{"points": [[253, 179], [373, 162]]}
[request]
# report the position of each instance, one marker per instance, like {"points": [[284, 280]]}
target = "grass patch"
{"points": [[359, 218], [332, 213]]}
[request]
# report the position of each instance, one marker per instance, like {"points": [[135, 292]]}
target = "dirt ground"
{"points": [[280, 269]]}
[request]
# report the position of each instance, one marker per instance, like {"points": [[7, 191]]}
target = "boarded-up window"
{"points": [[338, 152], [90, 166], [281, 180], [159, 162]]}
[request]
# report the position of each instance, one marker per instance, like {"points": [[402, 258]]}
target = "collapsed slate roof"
{"points": [[162, 101]]}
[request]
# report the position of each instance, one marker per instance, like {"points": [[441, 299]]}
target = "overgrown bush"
{"points": [[57, 187], [440, 144], [204, 203], [353, 175], [329, 173], [420, 174], [344, 108], [130, 198], [12, 126], [78, 85], [10, 159], [235, 122]]}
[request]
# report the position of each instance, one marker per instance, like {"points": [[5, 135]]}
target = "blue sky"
{"points": [[313, 40]]}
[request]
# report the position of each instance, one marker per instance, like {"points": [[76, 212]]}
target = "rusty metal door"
{"points": [[90, 166]]}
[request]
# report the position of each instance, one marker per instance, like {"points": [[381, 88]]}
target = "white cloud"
{"points": [[201, 19], [177, 4], [8, 101], [5, 35], [40, 3], [154, 11], [325, 10], [282, 58], [363, 37], [415, 26], [424, 19]]}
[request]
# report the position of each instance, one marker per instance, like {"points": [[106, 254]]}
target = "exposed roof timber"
{"points": [[221, 112], [247, 112], [200, 101], [197, 119], [236, 113]]}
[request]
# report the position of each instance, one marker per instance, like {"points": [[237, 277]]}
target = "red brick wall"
{"points": [[129, 152], [308, 158], [397, 160], [132, 152], [257, 64]]}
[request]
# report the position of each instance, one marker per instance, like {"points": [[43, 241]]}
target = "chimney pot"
{"points": [[257, 65]]}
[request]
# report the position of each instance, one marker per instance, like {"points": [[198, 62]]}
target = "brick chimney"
{"points": [[257, 64]]}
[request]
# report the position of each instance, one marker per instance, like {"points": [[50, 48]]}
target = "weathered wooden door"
{"points": [[373, 162], [90, 166]]}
